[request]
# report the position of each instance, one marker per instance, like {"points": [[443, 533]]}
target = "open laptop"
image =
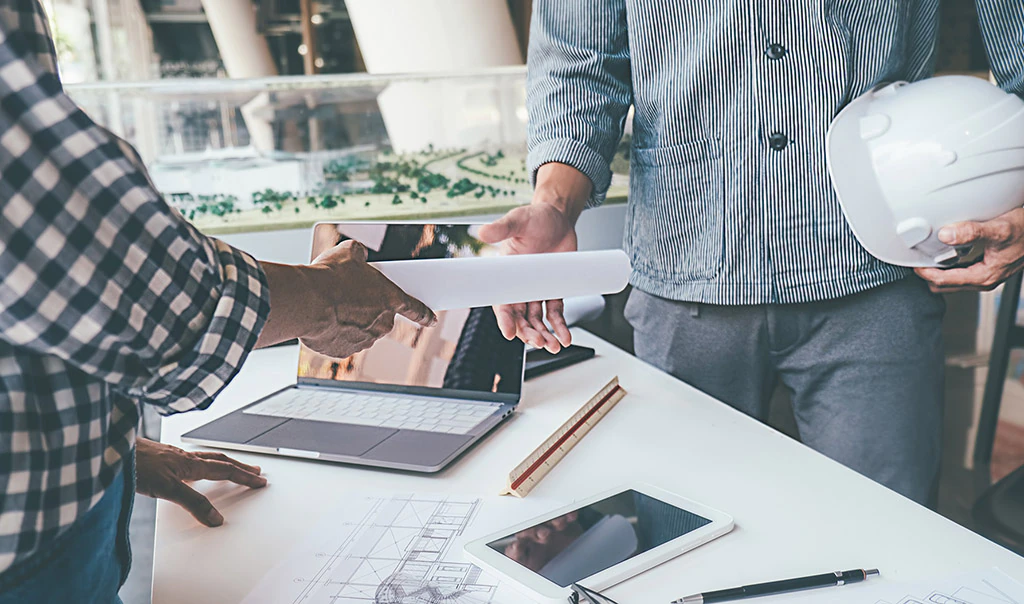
{"points": [[413, 401]]}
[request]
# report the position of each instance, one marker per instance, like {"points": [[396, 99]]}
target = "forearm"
{"points": [[290, 306], [563, 187]]}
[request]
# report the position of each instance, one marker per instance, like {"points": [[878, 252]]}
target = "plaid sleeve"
{"points": [[26, 22], [97, 269]]}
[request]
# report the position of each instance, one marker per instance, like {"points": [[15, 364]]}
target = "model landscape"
{"points": [[251, 192]]}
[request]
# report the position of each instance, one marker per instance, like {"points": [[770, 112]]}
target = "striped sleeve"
{"points": [[578, 86], [1002, 27]]}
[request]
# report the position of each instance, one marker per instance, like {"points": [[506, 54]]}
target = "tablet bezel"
{"points": [[537, 586]]}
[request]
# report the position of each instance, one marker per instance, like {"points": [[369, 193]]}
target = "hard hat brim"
{"points": [[863, 203]]}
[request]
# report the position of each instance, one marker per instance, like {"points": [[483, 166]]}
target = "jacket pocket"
{"points": [[677, 209]]}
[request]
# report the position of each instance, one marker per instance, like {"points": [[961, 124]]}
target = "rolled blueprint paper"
{"points": [[581, 310], [454, 283]]}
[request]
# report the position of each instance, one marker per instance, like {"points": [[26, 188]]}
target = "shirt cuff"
{"points": [[578, 155], [198, 375]]}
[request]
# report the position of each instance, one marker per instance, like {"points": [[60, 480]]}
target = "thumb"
{"points": [[961, 233], [997, 231], [509, 225], [358, 250]]}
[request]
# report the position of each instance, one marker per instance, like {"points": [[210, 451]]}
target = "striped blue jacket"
{"points": [[730, 201]]}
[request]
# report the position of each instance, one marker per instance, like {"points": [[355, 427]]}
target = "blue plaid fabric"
{"points": [[108, 298]]}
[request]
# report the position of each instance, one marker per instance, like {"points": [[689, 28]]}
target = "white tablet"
{"points": [[598, 541]]}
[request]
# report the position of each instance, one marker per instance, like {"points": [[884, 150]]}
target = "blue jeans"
{"points": [[87, 563]]}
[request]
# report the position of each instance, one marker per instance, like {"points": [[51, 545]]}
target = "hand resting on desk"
{"points": [[162, 472]]}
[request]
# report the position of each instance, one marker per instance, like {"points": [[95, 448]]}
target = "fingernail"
{"points": [[474, 231], [215, 519], [543, 533], [947, 235]]}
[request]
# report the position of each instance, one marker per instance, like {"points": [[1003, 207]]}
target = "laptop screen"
{"points": [[463, 356]]}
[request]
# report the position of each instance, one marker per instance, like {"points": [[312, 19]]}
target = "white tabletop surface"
{"points": [[796, 511]]}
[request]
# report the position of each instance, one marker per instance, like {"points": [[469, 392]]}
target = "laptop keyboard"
{"points": [[363, 409]]}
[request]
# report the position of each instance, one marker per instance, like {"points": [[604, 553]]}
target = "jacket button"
{"points": [[778, 141], [775, 51]]}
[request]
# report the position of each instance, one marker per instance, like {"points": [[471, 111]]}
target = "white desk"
{"points": [[796, 511]]}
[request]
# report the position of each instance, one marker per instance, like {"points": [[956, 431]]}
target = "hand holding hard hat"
{"points": [[907, 160], [1002, 240]]}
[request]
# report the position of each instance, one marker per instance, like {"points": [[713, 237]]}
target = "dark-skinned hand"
{"points": [[337, 305], [163, 472]]}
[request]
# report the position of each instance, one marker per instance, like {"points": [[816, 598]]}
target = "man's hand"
{"points": [[338, 305], [1002, 239], [548, 224], [162, 471]]}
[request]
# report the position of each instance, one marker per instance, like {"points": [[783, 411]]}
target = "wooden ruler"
{"points": [[526, 475]]}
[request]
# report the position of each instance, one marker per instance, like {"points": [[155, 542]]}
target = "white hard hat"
{"points": [[908, 159]]}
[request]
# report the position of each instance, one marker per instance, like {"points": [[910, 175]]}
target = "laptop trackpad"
{"points": [[422, 448], [236, 427], [323, 437]]}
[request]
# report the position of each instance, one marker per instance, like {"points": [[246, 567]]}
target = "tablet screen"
{"points": [[594, 538]]}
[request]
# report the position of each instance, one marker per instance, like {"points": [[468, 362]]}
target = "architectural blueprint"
{"points": [[989, 586], [400, 549]]}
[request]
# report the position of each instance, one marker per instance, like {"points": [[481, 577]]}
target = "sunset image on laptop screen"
{"points": [[464, 351]]}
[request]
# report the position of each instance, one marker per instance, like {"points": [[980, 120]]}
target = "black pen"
{"points": [[778, 587]]}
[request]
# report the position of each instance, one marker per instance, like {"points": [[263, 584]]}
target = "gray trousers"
{"points": [[865, 372]]}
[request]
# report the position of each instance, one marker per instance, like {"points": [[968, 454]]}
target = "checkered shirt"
{"points": [[108, 298]]}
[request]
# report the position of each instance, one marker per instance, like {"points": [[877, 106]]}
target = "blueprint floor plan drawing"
{"points": [[399, 554], [400, 549], [984, 590], [987, 586]]}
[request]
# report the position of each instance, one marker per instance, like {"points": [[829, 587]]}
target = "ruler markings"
{"points": [[558, 445], [561, 441]]}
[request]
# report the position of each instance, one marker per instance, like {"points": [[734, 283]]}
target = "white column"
{"points": [[245, 54], [427, 36], [108, 68], [244, 51]]}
